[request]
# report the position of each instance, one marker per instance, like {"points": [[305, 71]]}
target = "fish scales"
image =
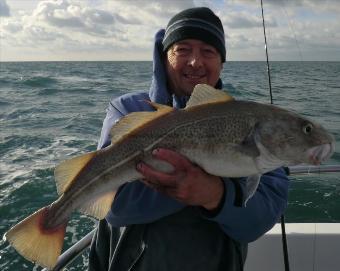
{"points": [[208, 130], [179, 128]]}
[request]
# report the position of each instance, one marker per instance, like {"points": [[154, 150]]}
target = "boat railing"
{"points": [[73, 252], [70, 254]]}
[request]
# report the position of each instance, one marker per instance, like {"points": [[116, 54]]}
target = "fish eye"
{"points": [[307, 129]]}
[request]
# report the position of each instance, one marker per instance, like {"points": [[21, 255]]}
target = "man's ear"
{"points": [[221, 66]]}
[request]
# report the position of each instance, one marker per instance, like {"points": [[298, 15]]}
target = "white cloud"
{"points": [[61, 25], [317, 6], [12, 27], [246, 20], [112, 29], [65, 14]]}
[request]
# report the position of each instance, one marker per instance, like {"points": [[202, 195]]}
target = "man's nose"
{"points": [[195, 59]]}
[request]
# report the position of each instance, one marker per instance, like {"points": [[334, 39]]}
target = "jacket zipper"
{"points": [[143, 246]]}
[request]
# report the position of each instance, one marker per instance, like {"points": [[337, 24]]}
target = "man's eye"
{"points": [[182, 50], [209, 52]]}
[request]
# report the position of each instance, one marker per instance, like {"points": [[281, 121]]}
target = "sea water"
{"points": [[52, 111]]}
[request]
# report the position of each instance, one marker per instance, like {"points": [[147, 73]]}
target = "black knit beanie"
{"points": [[196, 23]]}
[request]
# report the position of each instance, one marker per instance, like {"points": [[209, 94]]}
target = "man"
{"points": [[186, 220]]}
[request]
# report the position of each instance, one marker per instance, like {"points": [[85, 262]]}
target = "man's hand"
{"points": [[188, 183]]}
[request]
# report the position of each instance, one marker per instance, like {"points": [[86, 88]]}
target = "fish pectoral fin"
{"points": [[130, 123], [67, 170], [251, 185], [248, 149], [245, 149], [36, 243], [249, 145], [205, 94], [100, 206]]}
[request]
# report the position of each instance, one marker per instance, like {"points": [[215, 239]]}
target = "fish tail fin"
{"points": [[35, 242]]}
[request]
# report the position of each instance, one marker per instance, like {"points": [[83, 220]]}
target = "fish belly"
{"points": [[224, 163]]}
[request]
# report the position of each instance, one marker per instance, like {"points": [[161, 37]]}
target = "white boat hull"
{"points": [[311, 247]]}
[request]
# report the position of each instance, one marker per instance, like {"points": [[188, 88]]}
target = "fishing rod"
{"points": [[283, 227], [267, 58]]}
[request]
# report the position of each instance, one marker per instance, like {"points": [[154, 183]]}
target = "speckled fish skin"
{"points": [[222, 138]]}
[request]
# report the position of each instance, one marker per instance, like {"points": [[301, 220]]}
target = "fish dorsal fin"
{"points": [[133, 121], [67, 170], [205, 94], [100, 206]]}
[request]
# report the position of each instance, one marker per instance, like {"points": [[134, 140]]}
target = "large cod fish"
{"points": [[223, 136]]}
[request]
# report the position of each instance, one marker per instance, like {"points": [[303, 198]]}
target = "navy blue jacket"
{"points": [[136, 203]]}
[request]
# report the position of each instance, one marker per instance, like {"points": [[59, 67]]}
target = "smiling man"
{"points": [[191, 62], [195, 46], [188, 219]]}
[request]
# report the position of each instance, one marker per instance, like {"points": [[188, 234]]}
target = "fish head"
{"points": [[296, 140]]}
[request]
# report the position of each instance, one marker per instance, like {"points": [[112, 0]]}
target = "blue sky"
{"points": [[123, 29]]}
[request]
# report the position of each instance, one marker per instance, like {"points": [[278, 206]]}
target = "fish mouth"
{"points": [[321, 153]]}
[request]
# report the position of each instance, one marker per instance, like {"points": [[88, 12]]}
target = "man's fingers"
{"points": [[174, 158], [161, 180], [151, 174]]}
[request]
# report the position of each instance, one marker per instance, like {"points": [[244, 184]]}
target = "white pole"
{"points": [[295, 170]]}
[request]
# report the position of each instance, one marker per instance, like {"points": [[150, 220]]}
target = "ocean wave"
{"points": [[13, 144], [5, 103], [48, 91], [22, 113], [5, 82], [39, 81]]}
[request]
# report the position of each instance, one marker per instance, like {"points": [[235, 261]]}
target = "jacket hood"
{"points": [[158, 90]]}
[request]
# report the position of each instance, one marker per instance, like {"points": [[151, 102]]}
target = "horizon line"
{"points": [[11, 61]]}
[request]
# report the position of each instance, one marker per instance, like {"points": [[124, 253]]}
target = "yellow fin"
{"points": [[133, 121], [204, 94], [35, 243], [100, 207], [161, 108], [67, 170]]}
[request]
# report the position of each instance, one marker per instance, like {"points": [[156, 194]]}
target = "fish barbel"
{"points": [[223, 136]]}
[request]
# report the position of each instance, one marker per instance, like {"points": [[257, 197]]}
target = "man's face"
{"points": [[190, 62]]}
